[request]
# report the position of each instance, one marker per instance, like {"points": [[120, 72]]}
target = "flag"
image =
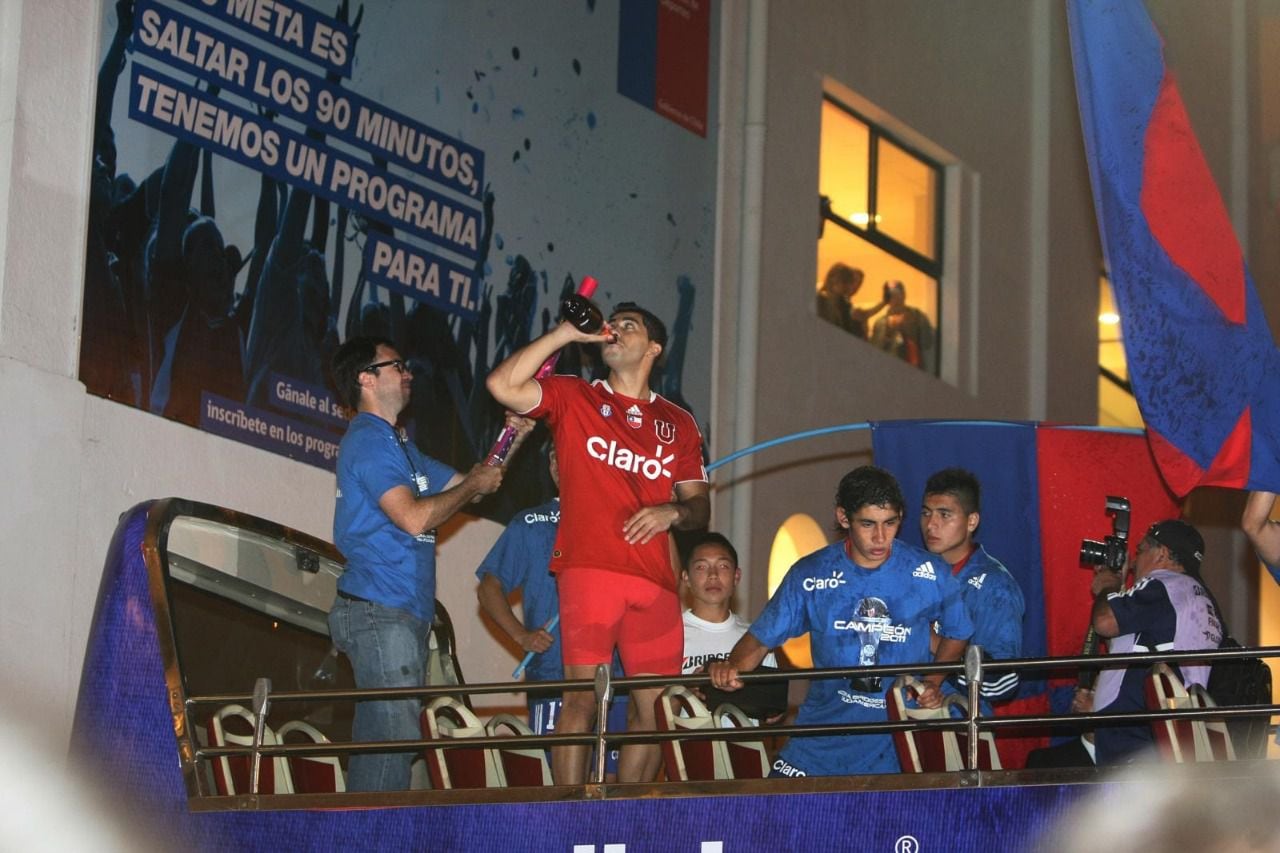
{"points": [[1202, 361], [1044, 489]]}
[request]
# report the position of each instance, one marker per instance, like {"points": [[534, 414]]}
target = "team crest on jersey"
{"points": [[635, 418], [666, 431]]}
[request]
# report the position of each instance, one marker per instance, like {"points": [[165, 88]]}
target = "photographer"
{"points": [[1166, 609]]}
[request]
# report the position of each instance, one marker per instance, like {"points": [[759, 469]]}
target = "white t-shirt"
{"points": [[707, 641]]}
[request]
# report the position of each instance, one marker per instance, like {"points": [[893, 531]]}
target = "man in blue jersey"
{"points": [[519, 561], [390, 499], [949, 518], [866, 600]]}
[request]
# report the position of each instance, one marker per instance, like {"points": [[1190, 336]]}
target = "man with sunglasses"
{"points": [[390, 500]]}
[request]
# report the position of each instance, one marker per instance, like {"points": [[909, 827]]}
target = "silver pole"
{"points": [[604, 690], [261, 702], [973, 675]]}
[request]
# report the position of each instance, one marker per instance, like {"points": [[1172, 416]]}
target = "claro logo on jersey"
{"points": [[836, 579], [649, 467], [552, 517]]}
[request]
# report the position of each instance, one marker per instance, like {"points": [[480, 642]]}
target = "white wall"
{"points": [[72, 463]]}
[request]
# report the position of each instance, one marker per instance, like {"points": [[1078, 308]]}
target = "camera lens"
{"points": [[1093, 552]]}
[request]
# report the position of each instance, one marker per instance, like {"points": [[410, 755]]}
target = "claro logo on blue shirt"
{"points": [[546, 517], [814, 584]]}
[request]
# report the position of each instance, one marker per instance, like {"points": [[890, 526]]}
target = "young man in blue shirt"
{"points": [[949, 519], [867, 600]]}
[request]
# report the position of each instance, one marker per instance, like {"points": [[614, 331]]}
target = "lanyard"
{"points": [[419, 480]]}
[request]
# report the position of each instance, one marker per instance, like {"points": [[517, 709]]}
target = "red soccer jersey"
{"points": [[616, 455]]}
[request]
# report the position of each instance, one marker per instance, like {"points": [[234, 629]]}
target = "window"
{"points": [[1116, 404], [879, 244]]}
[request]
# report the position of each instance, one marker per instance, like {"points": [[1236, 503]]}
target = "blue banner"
{"points": [[292, 26], [251, 140], [235, 66]]}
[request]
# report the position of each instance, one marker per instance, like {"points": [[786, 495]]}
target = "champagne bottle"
{"points": [[582, 314]]}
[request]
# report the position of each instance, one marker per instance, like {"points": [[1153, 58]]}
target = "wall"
{"points": [[73, 462], [979, 82]]}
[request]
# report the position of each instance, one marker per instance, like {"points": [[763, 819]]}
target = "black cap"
{"points": [[1183, 541]]}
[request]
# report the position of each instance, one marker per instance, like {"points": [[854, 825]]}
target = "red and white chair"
{"points": [[518, 768], [746, 759], [447, 719], [677, 708], [311, 774], [233, 725], [1185, 741], [934, 751]]}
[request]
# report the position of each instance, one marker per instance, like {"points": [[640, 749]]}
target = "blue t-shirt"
{"points": [[384, 564], [993, 600], [858, 616], [520, 560]]}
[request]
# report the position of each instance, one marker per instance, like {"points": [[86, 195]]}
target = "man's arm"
{"points": [[689, 511], [494, 602], [416, 515], [512, 384], [747, 654], [1104, 621], [1261, 530], [948, 650]]}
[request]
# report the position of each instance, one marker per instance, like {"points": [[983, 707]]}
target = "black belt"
{"points": [[349, 597]]}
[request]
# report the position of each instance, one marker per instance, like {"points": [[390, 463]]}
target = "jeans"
{"points": [[387, 648]]}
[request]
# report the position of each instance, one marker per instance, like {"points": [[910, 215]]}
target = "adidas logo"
{"points": [[925, 570], [976, 582]]}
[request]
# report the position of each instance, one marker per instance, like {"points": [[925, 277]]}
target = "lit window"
{"points": [[879, 245], [1116, 404]]}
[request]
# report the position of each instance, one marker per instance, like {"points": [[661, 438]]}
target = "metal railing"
{"points": [[973, 667]]}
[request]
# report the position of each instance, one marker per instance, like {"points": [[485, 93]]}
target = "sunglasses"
{"points": [[399, 364]]}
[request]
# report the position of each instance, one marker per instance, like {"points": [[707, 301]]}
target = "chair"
{"points": [[746, 759], [678, 708], [456, 767], [232, 774], [1217, 732], [1185, 741], [518, 768], [934, 751], [442, 664], [312, 774]]}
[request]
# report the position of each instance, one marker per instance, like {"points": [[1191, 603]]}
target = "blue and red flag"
{"points": [[1202, 361], [1044, 489]]}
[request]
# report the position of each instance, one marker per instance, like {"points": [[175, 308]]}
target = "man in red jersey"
{"points": [[630, 470]]}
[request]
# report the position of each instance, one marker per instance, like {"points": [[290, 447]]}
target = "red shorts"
{"points": [[600, 609]]}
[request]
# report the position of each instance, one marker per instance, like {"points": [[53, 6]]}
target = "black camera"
{"points": [[1113, 550]]}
